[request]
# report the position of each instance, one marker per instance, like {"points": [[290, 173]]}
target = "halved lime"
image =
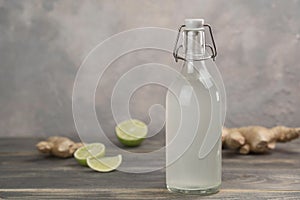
{"points": [[90, 150], [104, 164], [131, 132]]}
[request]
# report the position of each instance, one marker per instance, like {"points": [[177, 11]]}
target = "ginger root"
{"points": [[58, 146], [257, 139]]}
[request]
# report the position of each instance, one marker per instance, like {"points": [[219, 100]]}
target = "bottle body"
{"points": [[192, 112]]}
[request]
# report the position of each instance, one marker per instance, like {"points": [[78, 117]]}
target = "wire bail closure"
{"points": [[212, 48]]}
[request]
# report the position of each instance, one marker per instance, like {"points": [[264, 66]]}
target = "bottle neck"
{"points": [[194, 48], [194, 44]]}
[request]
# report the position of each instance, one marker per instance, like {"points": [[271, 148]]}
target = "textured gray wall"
{"points": [[43, 42]]}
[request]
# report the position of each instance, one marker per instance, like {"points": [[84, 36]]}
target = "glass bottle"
{"points": [[195, 106]]}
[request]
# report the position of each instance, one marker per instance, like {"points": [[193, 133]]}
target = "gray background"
{"points": [[42, 44]]}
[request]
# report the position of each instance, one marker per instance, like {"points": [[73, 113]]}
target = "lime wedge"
{"points": [[104, 164], [90, 150], [131, 132]]}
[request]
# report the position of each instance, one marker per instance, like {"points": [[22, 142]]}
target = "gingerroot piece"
{"points": [[257, 139], [58, 146]]}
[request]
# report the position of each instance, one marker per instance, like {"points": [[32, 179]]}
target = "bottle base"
{"points": [[204, 192]]}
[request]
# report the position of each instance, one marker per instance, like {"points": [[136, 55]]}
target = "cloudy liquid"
{"points": [[187, 120]]}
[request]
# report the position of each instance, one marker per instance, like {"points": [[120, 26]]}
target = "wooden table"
{"points": [[25, 174]]}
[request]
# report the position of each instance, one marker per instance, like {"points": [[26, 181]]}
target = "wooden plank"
{"points": [[61, 178], [24, 173], [142, 194]]}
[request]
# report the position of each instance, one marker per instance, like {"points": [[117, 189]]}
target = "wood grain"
{"points": [[26, 174]]}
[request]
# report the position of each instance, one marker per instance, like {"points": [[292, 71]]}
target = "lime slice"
{"points": [[131, 132], [104, 164], [90, 150]]}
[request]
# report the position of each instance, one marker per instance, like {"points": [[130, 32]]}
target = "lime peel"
{"points": [[104, 164], [131, 132], [90, 150]]}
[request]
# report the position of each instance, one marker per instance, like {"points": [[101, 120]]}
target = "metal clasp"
{"points": [[212, 48]]}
